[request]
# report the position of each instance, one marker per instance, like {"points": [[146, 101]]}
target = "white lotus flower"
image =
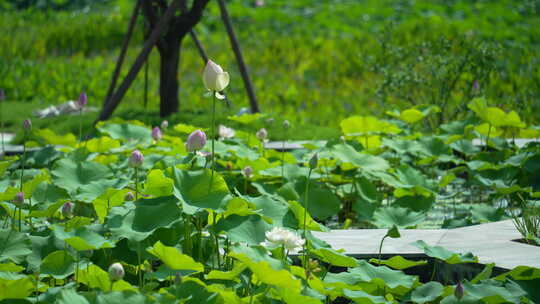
{"points": [[225, 132], [116, 272], [214, 78], [278, 237]]}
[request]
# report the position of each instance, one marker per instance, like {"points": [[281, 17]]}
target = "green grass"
{"points": [[313, 62]]}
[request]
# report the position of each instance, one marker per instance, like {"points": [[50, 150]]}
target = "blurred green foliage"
{"points": [[314, 62]]}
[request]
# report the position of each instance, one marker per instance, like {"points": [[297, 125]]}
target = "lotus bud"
{"points": [[248, 171], [178, 278], [286, 124], [136, 159], [214, 78], [83, 100], [19, 198], [262, 134], [156, 133], [27, 125], [2, 95], [314, 161], [164, 124], [129, 196], [116, 272], [196, 141], [259, 3], [459, 292], [67, 209]]}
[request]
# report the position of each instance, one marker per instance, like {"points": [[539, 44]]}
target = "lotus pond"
{"points": [[138, 214]]}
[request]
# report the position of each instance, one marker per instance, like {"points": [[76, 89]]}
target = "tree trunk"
{"points": [[168, 85]]}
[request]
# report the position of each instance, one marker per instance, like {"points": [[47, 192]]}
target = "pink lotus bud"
{"points": [[214, 78], [248, 171], [314, 161], [67, 209], [156, 133], [262, 134], [164, 124], [116, 272], [129, 197], [2, 95], [27, 125], [19, 198], [286, 124], [136, 159], [459, 291], [83, 100], [259, 3], [196, 141]]}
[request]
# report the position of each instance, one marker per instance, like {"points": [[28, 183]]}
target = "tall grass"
{"points": [[314, 61]]}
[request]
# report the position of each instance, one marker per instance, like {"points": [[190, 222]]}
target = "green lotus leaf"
{"points": [[398, 262], [198, 190], [427, 293], [14, 246], [174, 259], [15, 286], [58, 264], [386, 217], [446, 255]]}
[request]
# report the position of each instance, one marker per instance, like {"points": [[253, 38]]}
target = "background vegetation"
{"points": [[314, 62]]}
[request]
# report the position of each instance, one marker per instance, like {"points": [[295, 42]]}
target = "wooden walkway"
{"points": [[491, 243]]}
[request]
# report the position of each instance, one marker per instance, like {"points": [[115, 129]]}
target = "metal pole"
{"points": [[239, 58]]}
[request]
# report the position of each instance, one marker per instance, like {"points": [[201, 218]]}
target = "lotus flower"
{"points": [[164, 124], [27, 125], [286, 124], [136, 159], [278, 237], [214, 78], [196, 141], [116, 272], [19, 198], [82, 101], [129, 196], [262, 134], [314, 161], [459, 291], [225, 132], [67, 209], [156, 133], [248, 171]]}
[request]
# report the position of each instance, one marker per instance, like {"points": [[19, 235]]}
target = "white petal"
{"points": [[219, 96], [222, 81], [210, 75]]}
